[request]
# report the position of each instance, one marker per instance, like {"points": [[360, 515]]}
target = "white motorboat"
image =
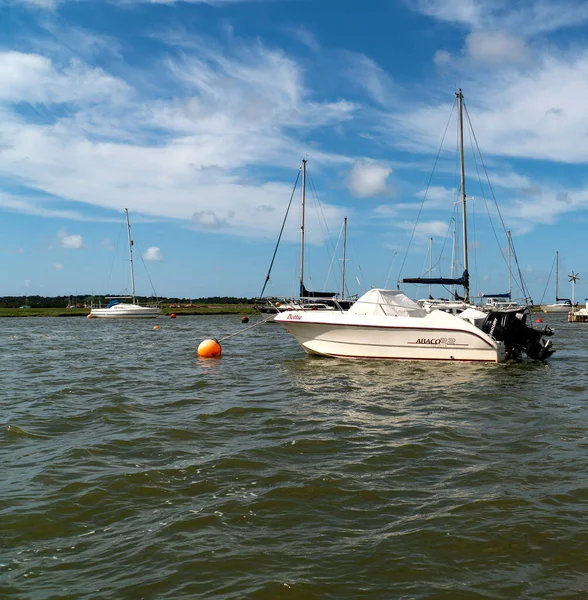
{"points": [[386, 324], [116, 309]]}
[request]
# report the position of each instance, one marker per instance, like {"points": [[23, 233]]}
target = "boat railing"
{"points": [[281, 304]]}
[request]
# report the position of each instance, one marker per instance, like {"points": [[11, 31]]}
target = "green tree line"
{"points": [[82, 300]]}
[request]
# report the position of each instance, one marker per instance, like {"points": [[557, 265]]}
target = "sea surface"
{"points": [[130, 468]]}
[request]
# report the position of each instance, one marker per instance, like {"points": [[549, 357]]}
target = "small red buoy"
{"points": [[209, 349], [539, 321], [172, 316], [245, 319]]}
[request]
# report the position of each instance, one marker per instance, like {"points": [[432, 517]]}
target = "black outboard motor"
{"points": [[518, 337]]}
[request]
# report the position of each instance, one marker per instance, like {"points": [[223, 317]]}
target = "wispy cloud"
{"points": [[525, 17], [233, 110], [366, 74]]}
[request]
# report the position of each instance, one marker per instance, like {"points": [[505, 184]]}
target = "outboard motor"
{"points": [[518, 337]]}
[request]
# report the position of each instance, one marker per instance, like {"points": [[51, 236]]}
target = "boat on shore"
{"points": [[116, 309]]}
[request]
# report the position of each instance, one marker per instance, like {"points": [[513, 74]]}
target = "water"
{"points": [[133, 469]]}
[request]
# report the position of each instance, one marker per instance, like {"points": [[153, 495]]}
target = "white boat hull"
{"points": [[438, 336], [125, 311], [557, 308]]}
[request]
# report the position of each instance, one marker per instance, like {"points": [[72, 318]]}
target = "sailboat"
{"points": [[387, 324], [561, 305], [116, 309], [307, 300]]}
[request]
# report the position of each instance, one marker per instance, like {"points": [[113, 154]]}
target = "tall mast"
{"points": [[430, 262], [454, 255], [131, 255], [556, 275], [302, 228], [509, 273], [344, 258], [466, 287]]}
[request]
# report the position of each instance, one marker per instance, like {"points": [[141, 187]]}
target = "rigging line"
{"points": [[438, 263], [114, 255], [267, 278], [427, 188], [390, 270], [334, 256], [513, 253], [323, 224], [146, 271], [504, 258], [548, 280]]}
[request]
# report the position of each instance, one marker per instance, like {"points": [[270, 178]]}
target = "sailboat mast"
{"points": [[302, 228], [430, 262], [509, 272], [344, 258], [556, 275], [131, 255], [466, 287], [453, 255]]}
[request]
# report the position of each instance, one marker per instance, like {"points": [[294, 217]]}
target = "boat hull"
{"points": [[435, 337], [557, 308], [125, 311]]}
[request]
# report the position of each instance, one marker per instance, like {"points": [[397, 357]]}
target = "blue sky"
{"points": [[195, 116]]}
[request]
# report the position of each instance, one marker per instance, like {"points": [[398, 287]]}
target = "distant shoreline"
{"points": [[166, 311]]}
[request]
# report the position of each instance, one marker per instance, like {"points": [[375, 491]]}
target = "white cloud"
{"points": [[208, 219], [153, 253], [107, 243], [368, 178], [524, 17], [465, 12], [71, 241], [34, 78], [442, 58], [426, 228], [58, 267], [495, 47], [238, 110], [513, 112]]}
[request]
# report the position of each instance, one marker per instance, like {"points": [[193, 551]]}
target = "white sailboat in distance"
{"points": [[561, 305], [116, 309], [387, 324]]}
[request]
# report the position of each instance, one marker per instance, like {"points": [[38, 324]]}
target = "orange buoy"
{"points": [[209, 349], [172, 316], [155, 326], [539, 321], [245, 319], [277, 305]]}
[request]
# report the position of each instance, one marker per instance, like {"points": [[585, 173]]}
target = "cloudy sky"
{"points": [[196, 115]]}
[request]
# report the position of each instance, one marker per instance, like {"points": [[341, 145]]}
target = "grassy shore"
{"points": [[209, 309]]}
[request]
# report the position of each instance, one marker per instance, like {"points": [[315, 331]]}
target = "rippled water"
{"points": [[133, 469]]}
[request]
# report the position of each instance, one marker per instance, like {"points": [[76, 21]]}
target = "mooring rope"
{"points": [[246, 328]]}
